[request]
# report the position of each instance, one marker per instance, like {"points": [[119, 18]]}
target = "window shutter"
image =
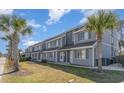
{"points": [[72, 37], [87, 53]]}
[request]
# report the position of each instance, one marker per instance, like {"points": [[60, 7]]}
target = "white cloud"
{"points": [[33, 23], [87, 13], [44, 28], [56, 14], [83, 20], [29, 42], [6, 11]]}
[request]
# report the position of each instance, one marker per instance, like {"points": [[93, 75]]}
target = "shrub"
{"points": [[122, 63], [44, 61], [22, 59]]}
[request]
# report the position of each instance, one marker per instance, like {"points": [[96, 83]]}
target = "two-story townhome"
{"points": [[75, 46]]}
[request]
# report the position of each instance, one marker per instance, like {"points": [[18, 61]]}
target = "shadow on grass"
{"points": [[90, 74], [8, 73]]}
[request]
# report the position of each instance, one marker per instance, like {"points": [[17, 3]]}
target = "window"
{"points": [[40, 47], [50, 54], [86, 35], [81, 36], [48, 45], [59, 42], [54, 43], [89, 35], [72, 37], [80, 54]]}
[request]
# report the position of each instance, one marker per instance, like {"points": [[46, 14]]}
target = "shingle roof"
{"points": [[79, 45], [89, 43]]}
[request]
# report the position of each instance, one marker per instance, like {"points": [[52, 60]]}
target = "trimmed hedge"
{"points": [[44, 61]]}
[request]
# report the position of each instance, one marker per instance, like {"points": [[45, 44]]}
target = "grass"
{"points": [[49, 73]]}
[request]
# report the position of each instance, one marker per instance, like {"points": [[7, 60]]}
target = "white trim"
{"points": [[71, 56], [55, 38], [76, 48], [68, 48], [95, 44], [49, 51], [81, 30], [83, 41]]}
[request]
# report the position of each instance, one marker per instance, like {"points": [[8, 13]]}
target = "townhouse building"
{"points": [[76, 47]]}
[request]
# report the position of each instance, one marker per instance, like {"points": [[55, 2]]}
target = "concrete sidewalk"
{"points": [[116, 67], [2, 62]]}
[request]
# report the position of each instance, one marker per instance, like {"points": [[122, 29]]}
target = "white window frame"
{"points": [[75, 36], [82, 56], [86, 35]]}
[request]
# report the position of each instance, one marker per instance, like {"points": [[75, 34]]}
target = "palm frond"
{"points": [[4, 23], [18, 23], [27, 31], [102, 21]]}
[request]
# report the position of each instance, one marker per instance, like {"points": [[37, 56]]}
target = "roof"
{"points": [[89, 43]]}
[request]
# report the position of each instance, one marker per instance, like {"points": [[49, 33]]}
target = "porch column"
{"points": [[93, 57], [66, 57], [71, 56], [56, 56], [46, 56]]}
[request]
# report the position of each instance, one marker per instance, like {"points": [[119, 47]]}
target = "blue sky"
{"points": [[47, 23]]}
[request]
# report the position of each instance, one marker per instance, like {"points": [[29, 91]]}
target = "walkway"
{"points": [[2, 62], [116, 67]]}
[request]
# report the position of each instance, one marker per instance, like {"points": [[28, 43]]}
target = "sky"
{"points": [[47, 23]]}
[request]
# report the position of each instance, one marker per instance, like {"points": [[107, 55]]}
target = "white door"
{"points": [[62, 56]]}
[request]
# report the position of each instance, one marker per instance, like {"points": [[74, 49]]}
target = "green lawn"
{"points": [[46, 72]]}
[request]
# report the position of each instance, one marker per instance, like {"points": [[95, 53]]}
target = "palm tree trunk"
{"points": [[99, 42], [16, 55]]}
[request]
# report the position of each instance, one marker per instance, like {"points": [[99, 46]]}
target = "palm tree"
{"points": [[101, 21], [15, 27]]}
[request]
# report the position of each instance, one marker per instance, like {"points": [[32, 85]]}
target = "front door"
{"points": [[62, 56]]}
